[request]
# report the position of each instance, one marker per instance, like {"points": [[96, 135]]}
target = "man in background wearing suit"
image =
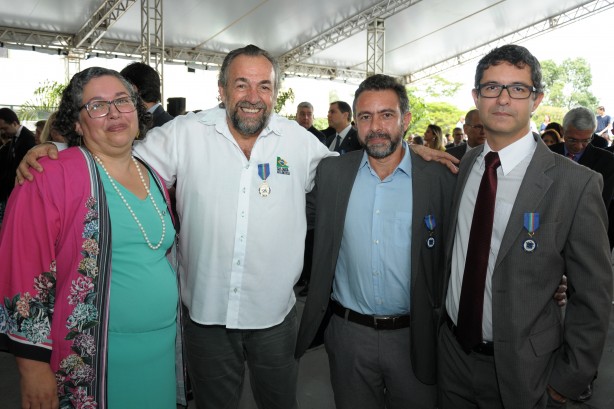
{"points": [[505, 343], [147, 83], [475, 135], [459, 138], [579, 125], [21, 139], [378, 248], [304, 117], [344, 139]]}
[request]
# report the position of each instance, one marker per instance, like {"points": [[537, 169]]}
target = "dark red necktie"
{"points": [[571, 155], [469, 323]]}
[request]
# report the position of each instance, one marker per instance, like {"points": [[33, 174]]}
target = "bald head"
{"points": [[474, 129]]}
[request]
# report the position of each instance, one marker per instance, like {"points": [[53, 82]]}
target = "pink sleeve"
{"points": [[27, 269]]}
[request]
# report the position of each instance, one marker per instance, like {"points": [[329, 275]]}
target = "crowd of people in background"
{"points": [[420, 295]]}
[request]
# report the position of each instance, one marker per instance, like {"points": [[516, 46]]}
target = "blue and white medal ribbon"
{"points": [[531, 224], [429, 221], [264, 172]]}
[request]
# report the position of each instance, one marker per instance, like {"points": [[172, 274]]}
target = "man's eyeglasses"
{"points": [[99, 109], [515, 91], [478, 127], [581, 141]]}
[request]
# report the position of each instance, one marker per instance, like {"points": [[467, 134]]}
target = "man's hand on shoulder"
{"points": [[429, 154], [30, 160]]}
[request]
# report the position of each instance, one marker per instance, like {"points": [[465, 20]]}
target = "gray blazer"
{"points": [[534, 344], [432, 186]]}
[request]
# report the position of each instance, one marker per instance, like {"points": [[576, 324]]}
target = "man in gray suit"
{"points": [[379, 250], [547, 218]]}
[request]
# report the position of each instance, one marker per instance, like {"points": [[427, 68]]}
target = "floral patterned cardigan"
{"points": [[55, 277]]}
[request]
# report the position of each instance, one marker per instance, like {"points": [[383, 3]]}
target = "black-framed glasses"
{"points": [[581, 141], [99, 108], [515, 91]]}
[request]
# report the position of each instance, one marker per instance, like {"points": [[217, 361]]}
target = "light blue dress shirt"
{"points": [[373, 272]]}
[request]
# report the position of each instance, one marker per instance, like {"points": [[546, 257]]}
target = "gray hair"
{"points": [[304, 104], [250, 51], [580, 118]]}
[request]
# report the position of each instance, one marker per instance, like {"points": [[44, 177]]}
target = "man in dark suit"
{"points": [[304, 117], [147, 83], [22, 139], [505, 343], [459, 138], [475, 135], [578, 127], [378, 259], [345, 137]]}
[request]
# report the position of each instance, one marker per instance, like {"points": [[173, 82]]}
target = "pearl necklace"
{"points": [[136, 219]]}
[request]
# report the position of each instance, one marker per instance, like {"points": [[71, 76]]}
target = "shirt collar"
{"points": [[404, 166], [218, 118], [513, 154], [153, 108], [345, 131]]}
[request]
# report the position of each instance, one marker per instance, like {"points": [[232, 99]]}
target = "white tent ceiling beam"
{"points": [[152, 37], [577, 13], [97, 25], [347, 29]]}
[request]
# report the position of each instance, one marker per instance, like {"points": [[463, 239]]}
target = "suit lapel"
{"points": [[533, 188]]}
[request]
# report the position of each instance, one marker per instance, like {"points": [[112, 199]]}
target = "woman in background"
{"points": [[433, 137]]}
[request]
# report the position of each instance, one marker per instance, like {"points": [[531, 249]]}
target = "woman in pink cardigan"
{"points": [[88, 300]]}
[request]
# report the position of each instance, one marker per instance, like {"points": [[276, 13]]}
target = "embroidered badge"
{"points": [[282, 166]]}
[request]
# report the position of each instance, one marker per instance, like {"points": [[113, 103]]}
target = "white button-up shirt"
{"points": [[240, 253], [515, 160]]}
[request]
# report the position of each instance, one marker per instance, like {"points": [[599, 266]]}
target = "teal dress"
{"points": [[143, 304]]}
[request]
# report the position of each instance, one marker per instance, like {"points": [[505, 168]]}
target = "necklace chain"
{"points": [[136, 219]]}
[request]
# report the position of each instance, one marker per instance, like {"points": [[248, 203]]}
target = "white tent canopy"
{"points": [[319, 38]]}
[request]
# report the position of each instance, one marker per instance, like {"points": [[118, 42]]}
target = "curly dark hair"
{"points": [[72, 101]]}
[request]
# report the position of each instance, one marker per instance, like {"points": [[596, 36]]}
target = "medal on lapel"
{"points": [[264, 172], [429, 221], [531, 223]]}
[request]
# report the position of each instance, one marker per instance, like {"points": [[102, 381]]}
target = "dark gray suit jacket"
{"points": [[534, 345], [432, 186], [349, 144], [160, 117], [458, 151]]}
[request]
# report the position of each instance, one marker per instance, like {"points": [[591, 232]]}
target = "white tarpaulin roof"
{"points": [[421, 36]]}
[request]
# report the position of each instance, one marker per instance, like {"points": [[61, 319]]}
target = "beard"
{"points": [[249, 126], [381, 150]]}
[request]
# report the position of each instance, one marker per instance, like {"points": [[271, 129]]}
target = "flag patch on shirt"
{"points": [[282, 166]]}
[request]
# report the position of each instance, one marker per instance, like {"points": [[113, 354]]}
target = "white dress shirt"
{"points": [[515, 160], [342, 134], [240, 253]]}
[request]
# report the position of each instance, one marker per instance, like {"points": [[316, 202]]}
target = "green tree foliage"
{"points": [[282, 98], [46, 100], [568, 83], [426, 107]]}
